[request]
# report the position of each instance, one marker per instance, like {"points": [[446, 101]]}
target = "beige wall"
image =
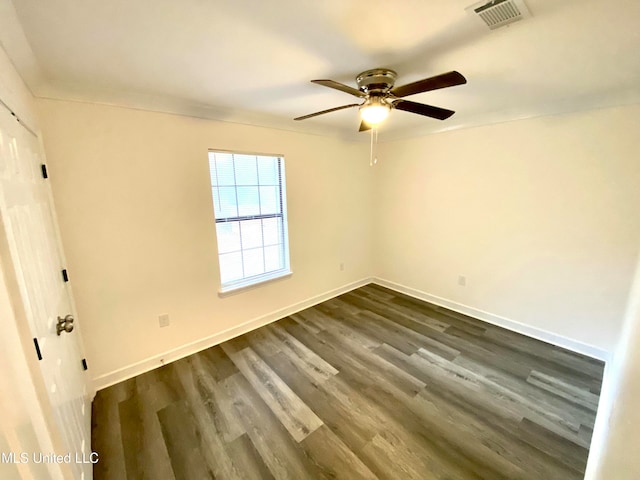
{"points": [[134, 204], [540, 215]]}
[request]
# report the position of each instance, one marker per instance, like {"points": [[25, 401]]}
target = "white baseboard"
{"points": [[528, 330], [130, 371]]}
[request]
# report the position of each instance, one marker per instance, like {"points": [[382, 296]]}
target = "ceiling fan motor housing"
{"points": [[378, 80]]}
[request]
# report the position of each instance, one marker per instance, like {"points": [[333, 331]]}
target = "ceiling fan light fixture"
{"points": [[375, 111], [377, 88]]}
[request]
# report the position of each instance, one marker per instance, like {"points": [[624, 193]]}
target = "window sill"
{"points": [[244, 286]]}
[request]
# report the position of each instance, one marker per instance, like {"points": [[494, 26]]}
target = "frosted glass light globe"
{"points": [[374, 114]]}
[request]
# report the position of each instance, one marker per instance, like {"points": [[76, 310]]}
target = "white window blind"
{"points": [[250, 212]]}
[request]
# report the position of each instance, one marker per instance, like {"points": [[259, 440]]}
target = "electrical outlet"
{"points": [[163, 320], [341, 266], [462, 280]]}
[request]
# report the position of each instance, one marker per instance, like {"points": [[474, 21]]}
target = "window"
{"points": [[250, 211]]}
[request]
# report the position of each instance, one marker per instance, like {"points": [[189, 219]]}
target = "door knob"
{"points": [[64, 324]]}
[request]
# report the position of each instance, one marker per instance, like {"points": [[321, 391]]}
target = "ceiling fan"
{"points": [[376, 87]]}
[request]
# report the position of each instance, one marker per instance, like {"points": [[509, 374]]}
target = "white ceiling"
{"points": [[250, 61]]}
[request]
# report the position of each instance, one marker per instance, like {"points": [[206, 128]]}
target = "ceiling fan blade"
{"points": [[364, 126], [422, 109], [445, 80], [304, 117], [340, 86]]}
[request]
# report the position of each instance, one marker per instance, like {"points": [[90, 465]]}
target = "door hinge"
{"points": [[35, 342], [44, 171], [84, 364], [65, 275]]}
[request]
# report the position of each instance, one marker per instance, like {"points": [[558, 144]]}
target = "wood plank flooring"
{"points": [[369, 385]]}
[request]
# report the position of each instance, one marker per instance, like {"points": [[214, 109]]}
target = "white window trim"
{"points": [[258, 280], [250, 283]]}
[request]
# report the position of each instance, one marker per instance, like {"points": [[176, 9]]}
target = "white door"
{"points": [[27, 214]]}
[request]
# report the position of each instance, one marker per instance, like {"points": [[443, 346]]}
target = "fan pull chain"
{"points": [[373, 157], [371, 151]]}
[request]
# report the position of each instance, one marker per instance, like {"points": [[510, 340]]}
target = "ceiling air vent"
{"points": [[498, 13]]}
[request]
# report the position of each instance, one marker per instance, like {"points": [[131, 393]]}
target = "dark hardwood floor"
{"points": [[371, 384]]}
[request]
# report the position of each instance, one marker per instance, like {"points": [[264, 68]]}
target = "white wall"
{"points": [[616, 436], [540, 215], [134, 204]]}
